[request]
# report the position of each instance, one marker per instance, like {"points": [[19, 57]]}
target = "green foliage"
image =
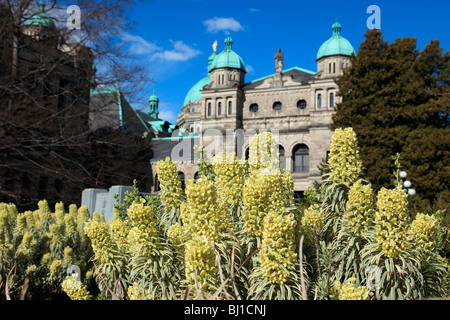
{"points": [[36, 249], [396, 98], [236, 234]]}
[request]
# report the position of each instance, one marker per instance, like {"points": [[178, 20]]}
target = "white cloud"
{"points": [[254, 10], [222, 24], [180, 52], [139, 45], [250, 69], [168, 115]]}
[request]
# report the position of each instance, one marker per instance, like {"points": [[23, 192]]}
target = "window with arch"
{"points": [[331, 99], [230, 107], [277, 106], [196, 176], [281, 151], [301, 158], [219, 109], [319, 100], [183, 182], [209, 109], [301, 104], [254, 108]]}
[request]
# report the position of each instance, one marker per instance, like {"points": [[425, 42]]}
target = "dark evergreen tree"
{"points": [[396, 98]]}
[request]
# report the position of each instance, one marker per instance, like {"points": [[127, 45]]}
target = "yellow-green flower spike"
{"points": [[350, 291], [263, 152], [278, 255], [202, 214], [345, 163], [391, 221], [423, 233], [200, 257], [312, 222], [102, 243], [170, 183], [360, 208], [75, 289]]}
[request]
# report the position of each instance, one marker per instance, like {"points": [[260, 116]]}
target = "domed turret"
{"points": [[228, 58], [336, 45], [41, 26], [41, 18], [153, 103], [334, 54]]}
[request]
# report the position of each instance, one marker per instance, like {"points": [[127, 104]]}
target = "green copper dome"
{"points": [[228, 58], [40, 18], [336, 45], [194, 94]]}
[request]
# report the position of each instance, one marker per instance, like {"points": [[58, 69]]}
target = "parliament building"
{"points": [[295, 102]]}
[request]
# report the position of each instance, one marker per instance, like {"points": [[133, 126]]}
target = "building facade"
{"points": [[295, 102]]}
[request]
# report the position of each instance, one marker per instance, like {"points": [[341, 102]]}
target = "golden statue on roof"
{"points": [[215, 46]]}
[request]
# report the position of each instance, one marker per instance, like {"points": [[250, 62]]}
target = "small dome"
{"points": [[195, 93], [153, 98], [336, 45], [40, 18], [228, 58]]}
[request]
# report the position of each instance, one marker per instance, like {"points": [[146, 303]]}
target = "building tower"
{"points": [[153, 103], [334, 54]]}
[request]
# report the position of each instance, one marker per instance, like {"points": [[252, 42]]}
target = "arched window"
{"points": [[230, 107], [301, 104], [277, 106], [219, 109], [254, 108], [301, 158], [282, 157], [183, 182], [319, 101], [247, 154], [331, 99], [209, 109], [196, 176]]}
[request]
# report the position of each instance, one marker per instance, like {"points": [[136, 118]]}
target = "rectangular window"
{"points": [[230, 107], [301, 163], [209, 109]]}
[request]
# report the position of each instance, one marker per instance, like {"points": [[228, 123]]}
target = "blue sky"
{"points": [[175, 37]]}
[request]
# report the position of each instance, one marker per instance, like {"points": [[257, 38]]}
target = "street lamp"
{"points": [[407, 184]]}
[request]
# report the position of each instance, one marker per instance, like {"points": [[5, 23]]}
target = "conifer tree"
{"points": [[396, 98]]}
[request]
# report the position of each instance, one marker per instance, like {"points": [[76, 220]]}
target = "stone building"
{"points": [[295, 102], [41, 77]]}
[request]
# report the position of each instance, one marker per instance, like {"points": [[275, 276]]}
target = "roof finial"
{"points": [[41, 6], [336, 28], [228, 43]]}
